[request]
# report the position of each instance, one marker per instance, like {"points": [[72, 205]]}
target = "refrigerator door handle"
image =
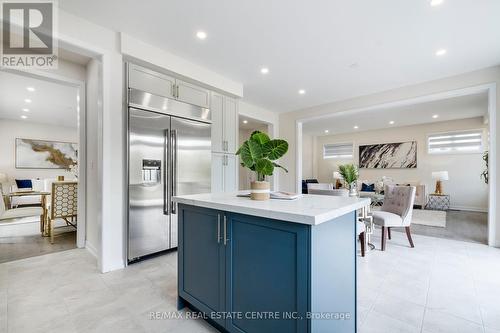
{"points": [[173, 135], [166, 199]]}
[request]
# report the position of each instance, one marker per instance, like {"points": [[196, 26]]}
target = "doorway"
{"points": [[482, 215], [42, 149]]}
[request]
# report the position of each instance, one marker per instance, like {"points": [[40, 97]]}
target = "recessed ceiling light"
{"points": [[27, 100], [245, 121], [391, 122], [24, 117], [440, 52], [356, 127], [435, 3], [326, 131], [30, 89], [26, 110], [435, 116], [302, 91], [201, 35], [264, 70]]}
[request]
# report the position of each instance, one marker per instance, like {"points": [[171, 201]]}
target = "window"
{"points": [[460, 142], [337, 150]]}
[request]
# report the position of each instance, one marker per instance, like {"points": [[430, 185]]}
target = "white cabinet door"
{"points": [[231, 124], [217, 172], [152, 82], [192, 94], [216, 108], [230, 173]]}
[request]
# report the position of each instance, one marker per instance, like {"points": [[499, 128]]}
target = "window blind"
{"points": [[338, 150], [470, 141]]}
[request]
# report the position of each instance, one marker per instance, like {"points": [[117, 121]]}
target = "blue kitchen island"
{"points": [[269, 266]]}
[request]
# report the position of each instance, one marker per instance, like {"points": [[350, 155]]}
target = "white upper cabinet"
{"points": [[153, 82], [192, 94], [231, 124], [216, 108], [224, 111]]}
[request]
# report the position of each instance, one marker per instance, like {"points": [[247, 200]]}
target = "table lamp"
{"points": [[338, 177], [439, 176]]}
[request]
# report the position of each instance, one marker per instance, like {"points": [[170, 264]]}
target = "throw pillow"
{"points": [[367, 187]]}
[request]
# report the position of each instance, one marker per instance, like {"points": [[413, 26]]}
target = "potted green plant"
{"points": [[350, 174], [259, 154]]}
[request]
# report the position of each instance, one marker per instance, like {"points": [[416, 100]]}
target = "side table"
{"points": [[438, 202]]}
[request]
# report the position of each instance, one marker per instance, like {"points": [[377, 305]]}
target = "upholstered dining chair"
{"points": [[14, 213], [396, 212], [64, 205], [361, 233]]}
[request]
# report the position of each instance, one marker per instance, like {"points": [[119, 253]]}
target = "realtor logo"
{"points": [[28, 35]]}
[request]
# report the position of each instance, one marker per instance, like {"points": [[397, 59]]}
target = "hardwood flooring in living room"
{"points": [[15, 248]]}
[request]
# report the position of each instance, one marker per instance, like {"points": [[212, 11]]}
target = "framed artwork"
{"points": [[41, 154], [401, 155]]}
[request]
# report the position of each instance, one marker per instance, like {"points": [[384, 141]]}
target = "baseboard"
{"points": [[470, 209], [91, 248], [113, 267]]}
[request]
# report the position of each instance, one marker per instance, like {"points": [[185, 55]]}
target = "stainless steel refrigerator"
{"points": [[169, 154]]}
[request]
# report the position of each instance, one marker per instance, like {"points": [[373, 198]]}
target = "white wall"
{"points": [[308, 156], [256, 112], [105, 44], [93, 191], [12, 129], [463, 169], [288, 121]]}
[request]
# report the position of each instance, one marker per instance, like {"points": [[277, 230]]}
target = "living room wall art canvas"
{"points": [[40, 154], [400, 155]]}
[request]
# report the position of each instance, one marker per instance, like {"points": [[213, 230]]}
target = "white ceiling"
{"points": [[51, 103], [448, 109], [333, 49]]}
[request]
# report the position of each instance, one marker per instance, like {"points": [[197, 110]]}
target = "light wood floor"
{"points": [[15, 248]]}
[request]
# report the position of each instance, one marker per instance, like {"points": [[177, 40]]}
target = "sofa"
{"points": [[420, 196]]}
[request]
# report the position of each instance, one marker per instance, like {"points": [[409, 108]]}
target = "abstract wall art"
{"points": [[40, 154], [400, 155]]}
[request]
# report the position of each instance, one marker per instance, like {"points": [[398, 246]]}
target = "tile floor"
{"points": [[440, 286]]}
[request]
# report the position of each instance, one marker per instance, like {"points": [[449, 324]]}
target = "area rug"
{"points": [[431, 218]]}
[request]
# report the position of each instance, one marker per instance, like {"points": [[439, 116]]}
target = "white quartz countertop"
{"points": [[307, 209]]}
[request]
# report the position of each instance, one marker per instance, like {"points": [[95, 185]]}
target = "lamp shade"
{"points": [[3, 177], [337, 175], [440, 175]]}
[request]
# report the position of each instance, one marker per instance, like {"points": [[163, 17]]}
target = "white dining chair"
{"points": [[396, 212]]}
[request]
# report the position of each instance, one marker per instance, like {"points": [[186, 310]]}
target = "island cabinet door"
{"points": [[201, 259], [267, 266]]}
